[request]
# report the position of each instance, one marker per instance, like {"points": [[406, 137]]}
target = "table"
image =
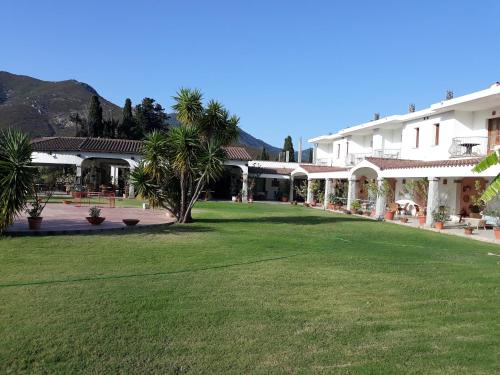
{"points": [[468, 147]]}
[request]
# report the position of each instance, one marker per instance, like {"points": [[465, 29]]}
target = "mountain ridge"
{"points": [[43, 108]]}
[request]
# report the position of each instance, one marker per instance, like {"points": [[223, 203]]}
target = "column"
{"points": [[351, 191], [131, 191], [380, 203], [244, 188], [328, 190], [432, 198], [78, 178], [309, 191], [290, 195]]}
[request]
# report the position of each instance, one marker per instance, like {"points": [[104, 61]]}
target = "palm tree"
{"points": [[493, 189], [16, 175], [177, 166]]}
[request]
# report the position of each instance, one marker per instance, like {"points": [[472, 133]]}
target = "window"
{"points": [[338, 151], [417, 137], [436, 134]]}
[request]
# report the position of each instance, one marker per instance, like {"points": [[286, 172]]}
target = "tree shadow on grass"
{"points": [[297, 220]]}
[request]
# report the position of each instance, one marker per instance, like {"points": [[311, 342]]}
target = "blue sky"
{"points": [[285, 67]]}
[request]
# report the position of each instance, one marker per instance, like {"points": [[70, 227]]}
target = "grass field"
{"points": [[258, 289]]}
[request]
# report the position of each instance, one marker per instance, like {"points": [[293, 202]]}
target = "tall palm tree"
{"points": [[188, 106], [493, 189], [16, 175]]}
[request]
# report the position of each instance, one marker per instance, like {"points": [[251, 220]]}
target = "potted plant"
{"points": [[284, 197], [356, 207], [418, 191], [439, 216], [389, 214], [95, 217], [468, 229], [37, 205], [331, 199]]}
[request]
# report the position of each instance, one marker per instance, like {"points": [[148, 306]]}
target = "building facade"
{"points": [[440, 144]]}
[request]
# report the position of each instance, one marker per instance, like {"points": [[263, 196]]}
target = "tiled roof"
{"points": [[113, 146], [237, 153], [309, 168], [281, 171], [405, 163]]}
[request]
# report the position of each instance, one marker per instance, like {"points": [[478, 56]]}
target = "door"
{"points": [[493, 133]]}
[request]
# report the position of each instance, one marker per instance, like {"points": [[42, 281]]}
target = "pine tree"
{"points": [[288, 146], [150, 116], [264, 154], [94, 118]]}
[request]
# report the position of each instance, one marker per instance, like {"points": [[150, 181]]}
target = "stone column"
{"points": [[244, 188], [328, 190], [351, 192], [78, 178], [131, 190], [290, 194], [380, 203], [432, 198], [309, 191]]}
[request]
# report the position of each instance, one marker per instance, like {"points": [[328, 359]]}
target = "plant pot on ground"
{"points": [[95, 217], [496, 231], [439, 216], [422, 219], [37, 205], [389, 215], [439, 225], [468, 230], [130, 222]]}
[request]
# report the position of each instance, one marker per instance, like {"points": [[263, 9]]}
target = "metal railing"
{"points": [[468, 147], [324, 161], [353, 159]]}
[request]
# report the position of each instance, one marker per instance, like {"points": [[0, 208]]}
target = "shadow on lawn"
{"points": [[297, 220]]}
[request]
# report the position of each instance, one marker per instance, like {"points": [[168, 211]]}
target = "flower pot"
{"points": [[284, 199], [330, 206], [422, 220], [34, 223], [468, 230], [389, 215], [314, 202], [403, 220], [130, 222], [439, 225], [66, 201], [496, 231], [95, 220]]}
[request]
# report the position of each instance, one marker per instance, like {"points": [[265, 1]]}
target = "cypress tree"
{"points": [[94, 120], [128, 128], [264, 154], [288, 146]]}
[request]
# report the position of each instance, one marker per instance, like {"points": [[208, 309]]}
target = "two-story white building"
{"points": [[440, 143]]}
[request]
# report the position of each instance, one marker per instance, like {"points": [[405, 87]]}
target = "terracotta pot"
{"points": [[34, 223], [389, 215], [422, 220], [439, 225], [130, 222], [330, 206], [468, 231], [95, 220], [403, 219], [284, 199], [497, 233], [66, 201]]}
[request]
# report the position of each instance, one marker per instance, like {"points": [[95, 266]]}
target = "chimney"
{"points": [[449, 94], [299, 155], [376, 116], [411, 108]]}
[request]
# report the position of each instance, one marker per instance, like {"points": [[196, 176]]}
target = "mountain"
{"points": [[43, 108]]}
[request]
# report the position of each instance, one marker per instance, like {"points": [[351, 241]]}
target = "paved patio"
{"points": [[70, 219]]}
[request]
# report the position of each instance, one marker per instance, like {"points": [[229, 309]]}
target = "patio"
{"points": [[61, 218]]}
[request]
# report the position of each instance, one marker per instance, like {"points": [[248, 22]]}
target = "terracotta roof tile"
{"points": [[406, 164], [237, 153], [113, 146], [309, 168]]}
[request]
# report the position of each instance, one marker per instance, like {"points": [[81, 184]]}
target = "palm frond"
{"points": [[489, 161]]}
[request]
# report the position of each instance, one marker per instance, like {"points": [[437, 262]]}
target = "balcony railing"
{"points": [[462, 147], [353, 159], [324, 162]]}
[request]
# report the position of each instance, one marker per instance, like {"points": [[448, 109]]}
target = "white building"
{"points": [[440, 143]]}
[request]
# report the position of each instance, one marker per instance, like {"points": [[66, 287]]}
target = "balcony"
{"points": [[324, 161], [463, 147], [353, 159]]}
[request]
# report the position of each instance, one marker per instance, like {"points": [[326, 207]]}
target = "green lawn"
{"points": [[251, 289]]}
